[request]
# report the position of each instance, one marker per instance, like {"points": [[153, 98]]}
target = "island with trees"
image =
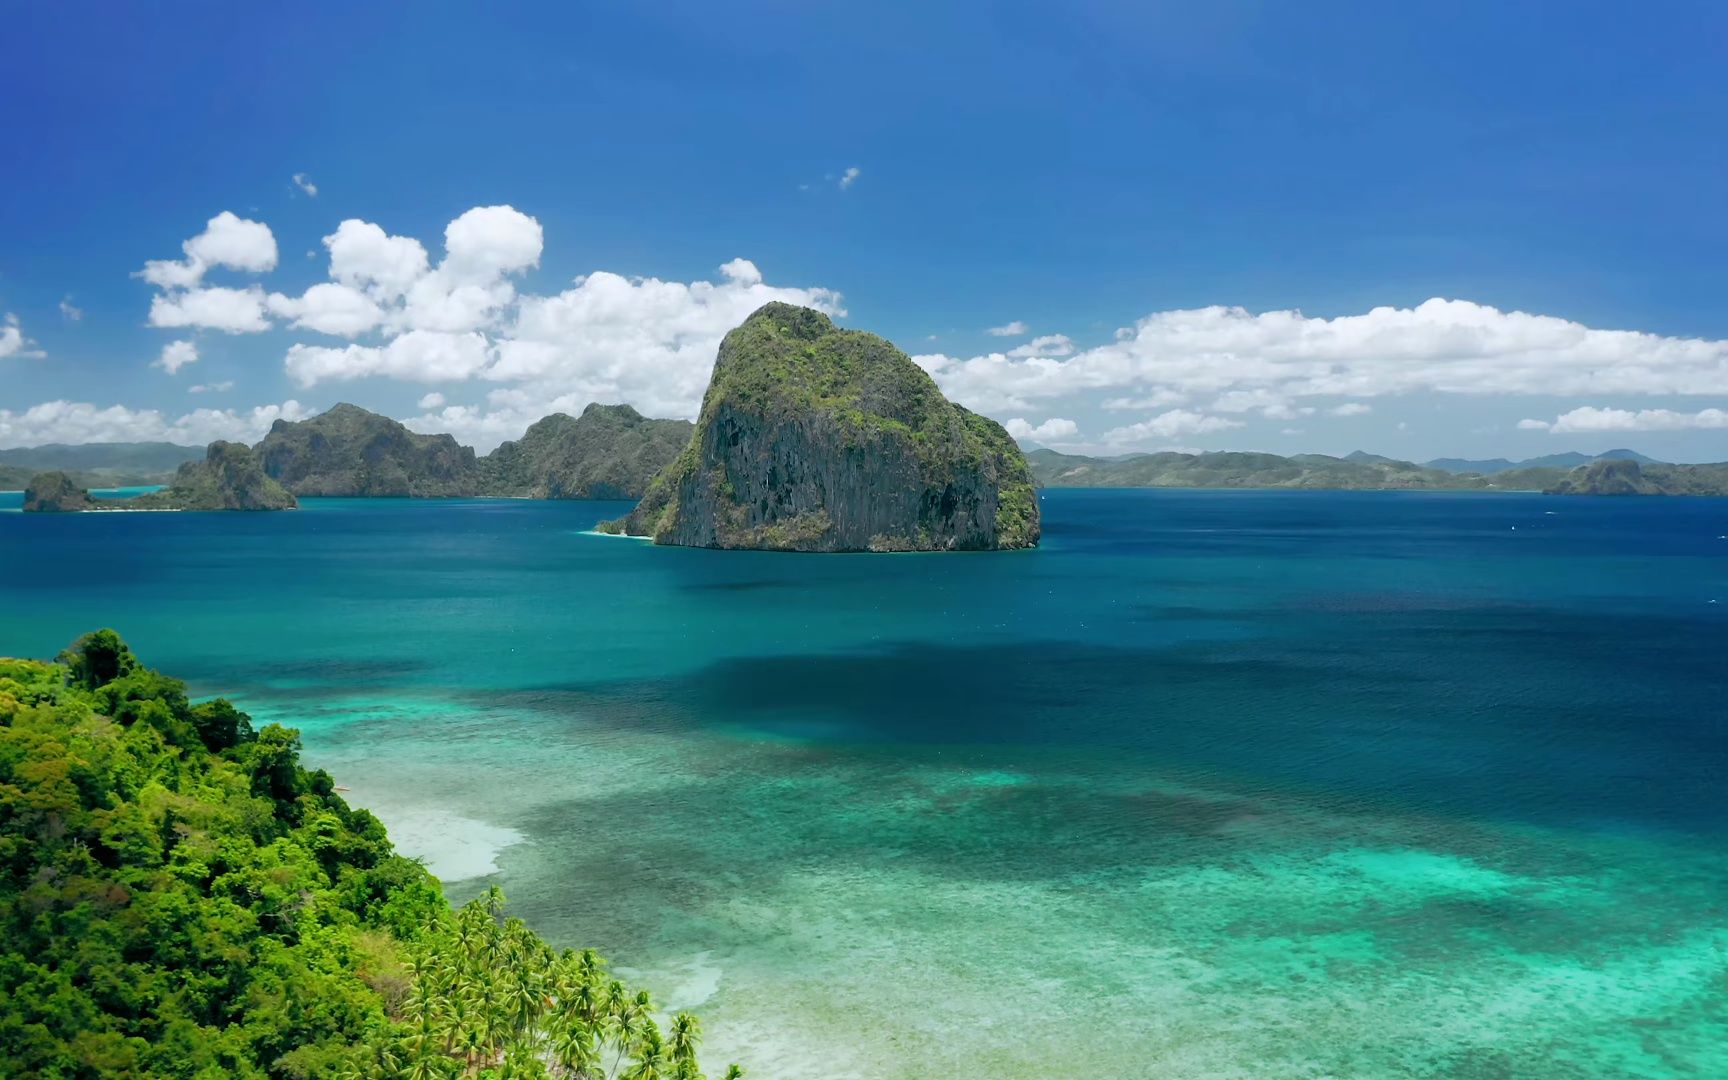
{"points": [[814, 438]]}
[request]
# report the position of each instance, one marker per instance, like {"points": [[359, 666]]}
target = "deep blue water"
{"points": [[1465, 749]]}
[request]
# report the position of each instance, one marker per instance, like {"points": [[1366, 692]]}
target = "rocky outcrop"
{"points": [[351, 451], [1622, 477], [609, 452], [813, 438], [229, 478], [55, 493], [1610, 477]]}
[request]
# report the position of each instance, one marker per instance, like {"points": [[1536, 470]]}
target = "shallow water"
{"points": [[1214, 784]]}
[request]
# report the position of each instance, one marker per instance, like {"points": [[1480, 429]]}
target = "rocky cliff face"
{"points": [[1612, 477], [350, 451], [813, 438], [609, 452], [55, 493], [229, 478]]}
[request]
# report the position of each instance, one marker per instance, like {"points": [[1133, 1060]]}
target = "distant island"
{"points": [[814, 438], [181, 897], [229, 478], [614, 452], [1618, 474]]}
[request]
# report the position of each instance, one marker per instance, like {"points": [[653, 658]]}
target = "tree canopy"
{"points": [[180, 897]]}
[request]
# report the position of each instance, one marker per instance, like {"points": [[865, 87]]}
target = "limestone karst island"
{"points": [[813, 438]]}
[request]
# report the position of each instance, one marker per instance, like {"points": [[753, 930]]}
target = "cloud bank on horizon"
{"points": [[502, 357]]}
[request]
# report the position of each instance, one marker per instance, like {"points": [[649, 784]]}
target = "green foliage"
{"points": [[609, 452], [179, 897], [804, 423]]}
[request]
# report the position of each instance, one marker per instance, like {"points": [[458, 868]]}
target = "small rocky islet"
{"points": [[813, 438], [229, 478]]}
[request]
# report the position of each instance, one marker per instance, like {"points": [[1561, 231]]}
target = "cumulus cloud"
{"points": [[234, 311], [329, 308], [79, 422], [1588, 419], [1047, 345], [228, 240], [1440, 346], [604, 338], [176, 355], [1050, 430], [14, 343], [1350, 408], [305, 184], [1009, 329], [69, 312], [212, 388], [1159, 398], [849, 177], [418, 356], [434, 400], [1169, 425]]}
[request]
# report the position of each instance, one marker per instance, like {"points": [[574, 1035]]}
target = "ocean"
{"points": [[1212, 784]]}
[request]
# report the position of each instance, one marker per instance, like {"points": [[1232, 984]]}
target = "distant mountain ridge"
{"points": [[1570, 459], [1369, 472], [609, 452]]}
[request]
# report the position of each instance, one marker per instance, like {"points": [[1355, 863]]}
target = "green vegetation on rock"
{"points": [[609, 452], [179, 897], [55, 493], [1628, 477], [229, 478], [350, 451], [813, 438]]}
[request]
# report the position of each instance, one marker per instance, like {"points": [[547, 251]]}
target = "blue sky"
{"points": [[1116, 178]]}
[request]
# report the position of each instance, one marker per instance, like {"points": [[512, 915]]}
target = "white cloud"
{"points": [[212, 388], [418, 355], [304, 183], [176, 355], [364, 256], [1588, 418], [1010, 329], [228, 240], [605, 338], [1440, 346], [1169, 425], [236, 311], [79, 422], [1350, 408], [329, 308], [69, 312], [1050, 430], [14, 343], [1047, 345], [849, 177], [1159, 398], [434, 400]]}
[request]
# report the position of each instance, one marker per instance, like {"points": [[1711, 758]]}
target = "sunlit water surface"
{"points": [[1214, 784]]}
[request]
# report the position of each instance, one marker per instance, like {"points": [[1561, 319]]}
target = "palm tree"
{"points": [[650, 1063], [574, 1050], [686, 1033]]}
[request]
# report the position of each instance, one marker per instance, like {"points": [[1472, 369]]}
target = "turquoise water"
{"points": [[1214, 784]]}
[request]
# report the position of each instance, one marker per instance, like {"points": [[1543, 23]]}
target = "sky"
{"points": [[1473, 230]]}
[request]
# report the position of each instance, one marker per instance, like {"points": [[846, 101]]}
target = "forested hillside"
{"points": [[179, 897]]}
